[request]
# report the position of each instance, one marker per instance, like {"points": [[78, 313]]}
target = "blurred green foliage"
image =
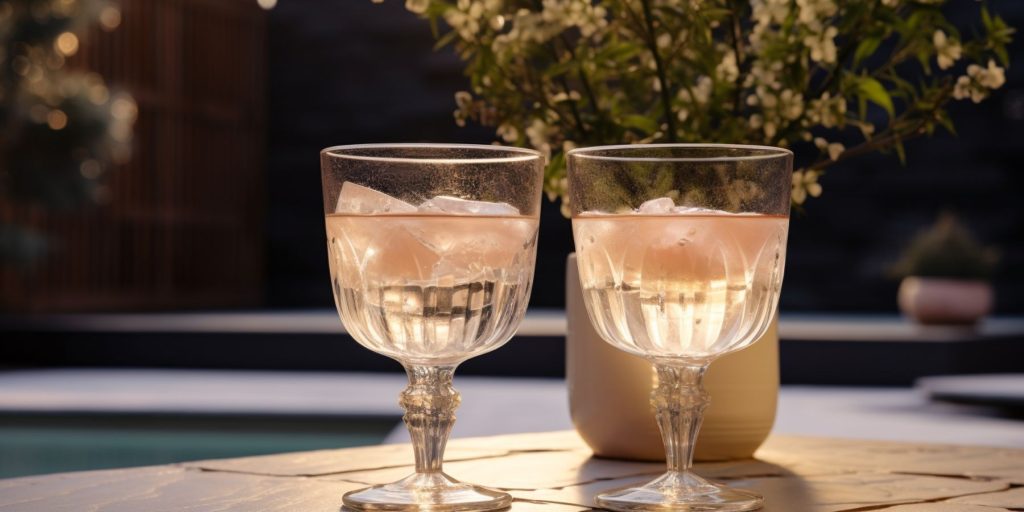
{"points": [[60, 130]]}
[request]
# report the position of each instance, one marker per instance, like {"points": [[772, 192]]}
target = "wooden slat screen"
{"points": [[183, 227]]}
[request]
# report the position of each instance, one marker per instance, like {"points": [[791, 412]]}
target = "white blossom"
{"points": [[525, 27], [498, 22], [967, 88], [582, 14], [823, 45], [767, 99], [947, 50], [467, 16], [463, 23], [992, 77], [834, 149], [463, 106], [664, 40], [727, 70], [702, 93], [827, 111], [557, 186], [812, 12], [565, 96], [539, 134], [866, 128], [764, 73], [978, 80], [791, 104], [417, 6], [767, 12], [508, 132], [767, 16], [805, 183], [699, 94]]}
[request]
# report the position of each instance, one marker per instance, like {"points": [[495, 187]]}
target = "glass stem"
{"points": [[679, 400], [429, 403]]}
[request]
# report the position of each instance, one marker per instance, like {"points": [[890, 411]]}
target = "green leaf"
{"points": [[875, 92], [865, 49], [560, 68], [643, 123], [617, 52], [944, 120], [905, 86], [924, 57], [716, 13], [434, 30], [445, 40], [901, 153], [1001, 32], [915, 19], [1004, 58]]}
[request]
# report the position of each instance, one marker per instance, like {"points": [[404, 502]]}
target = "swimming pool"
{"points": [[32, 444]]}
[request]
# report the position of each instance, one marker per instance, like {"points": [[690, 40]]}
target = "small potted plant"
{"points": [[946, 275]]}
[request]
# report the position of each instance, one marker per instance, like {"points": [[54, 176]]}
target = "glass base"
{"points": [[682, 492], [427, 491]]}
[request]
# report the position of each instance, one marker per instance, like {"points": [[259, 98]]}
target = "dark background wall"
{"points": [[351, 71]]}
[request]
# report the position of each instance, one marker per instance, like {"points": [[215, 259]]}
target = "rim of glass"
{"points": [[524, 155], [766, 152]]}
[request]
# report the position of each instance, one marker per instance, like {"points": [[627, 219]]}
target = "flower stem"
{"points": [[666, 95]]}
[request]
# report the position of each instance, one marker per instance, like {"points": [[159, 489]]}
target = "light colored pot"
{"points": [[933, 300], [609, 393]]}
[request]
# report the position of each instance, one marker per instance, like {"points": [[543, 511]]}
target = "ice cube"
{"points": [[467, 247], [655, 206], [359, 199], [696, 210], [449, 204], [377, 249]]}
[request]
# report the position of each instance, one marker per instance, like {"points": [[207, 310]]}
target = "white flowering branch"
{"points": [[553, 74]]}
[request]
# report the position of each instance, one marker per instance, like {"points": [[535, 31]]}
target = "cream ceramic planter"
{"points": [[932, 300], [609, 393]]}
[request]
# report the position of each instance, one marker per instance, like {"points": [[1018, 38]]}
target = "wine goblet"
{"points": [[431, 251], [681, 250]]}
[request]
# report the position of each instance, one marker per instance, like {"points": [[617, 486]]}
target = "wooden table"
{"points": [[551, 472]]}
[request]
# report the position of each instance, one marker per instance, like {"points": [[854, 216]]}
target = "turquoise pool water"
{"points": [[32, 445]]}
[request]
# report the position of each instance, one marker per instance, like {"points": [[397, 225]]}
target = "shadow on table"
{"points": [[782, 488]]}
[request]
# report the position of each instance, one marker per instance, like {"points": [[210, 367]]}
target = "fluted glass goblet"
{"points": [[431, 251], [681, 250]]}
